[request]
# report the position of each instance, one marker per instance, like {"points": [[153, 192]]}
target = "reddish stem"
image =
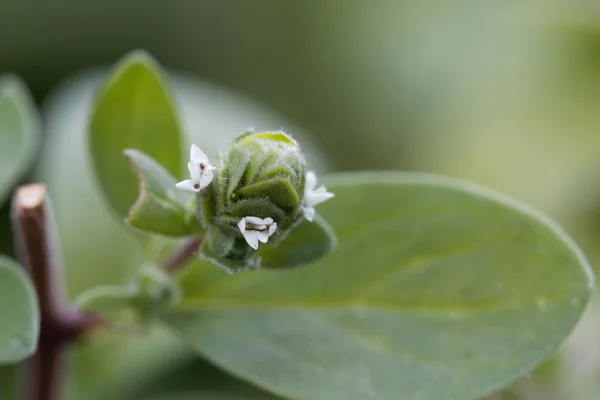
{"points": [[182, 255], [37, 250]]}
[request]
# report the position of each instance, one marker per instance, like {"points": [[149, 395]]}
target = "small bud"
{"points": [[152, 290]]}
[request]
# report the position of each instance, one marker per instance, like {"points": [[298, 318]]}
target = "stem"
{"points": [[37, 249], [182, 255], [43, 374]]}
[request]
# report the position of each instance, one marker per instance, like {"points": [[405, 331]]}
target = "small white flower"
{"points": [[313, 196], [201, 172], [257, 229]]}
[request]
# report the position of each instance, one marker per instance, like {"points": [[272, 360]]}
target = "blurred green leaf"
{"points": [[19, 315], [138, 300], [134, 109], [438, 289], [306, 243], [8, 380], [160, 207], [202, 395], [571, 373], [19, 131], [195, 379], [113, 302]]}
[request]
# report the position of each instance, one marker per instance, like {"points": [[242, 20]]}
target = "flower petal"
{"points": [[257, 222], [206, 178], [272, 228], [242, 225], [197, 155], [194, 169], [188, 184], [311, 181], [317, 196], [309, 213], [262, 236], [251, 238]]}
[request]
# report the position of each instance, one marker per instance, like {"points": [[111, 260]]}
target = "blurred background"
{"points": [[503, 93]]}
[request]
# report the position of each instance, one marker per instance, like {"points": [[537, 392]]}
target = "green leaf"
{"points": [[115, 303], [160, 207], [438, 289], [306, 243], [19, 131], [201, 395], [182, 382], [134, 109], [8, 381], [19, 314]]}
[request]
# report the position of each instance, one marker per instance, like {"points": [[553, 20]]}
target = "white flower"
{"points": [[201, 172], [313, 196], [257, 229]]}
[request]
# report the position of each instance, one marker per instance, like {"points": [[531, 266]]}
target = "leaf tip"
{"points": [[10, 83], [130, 154], [15, 88], [138, 59]]}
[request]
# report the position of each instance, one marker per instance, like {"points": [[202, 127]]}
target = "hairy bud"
{"points": [[257, 193]]}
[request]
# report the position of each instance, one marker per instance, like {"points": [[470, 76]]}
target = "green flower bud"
{"points": [[262, 176], [258, 193]]}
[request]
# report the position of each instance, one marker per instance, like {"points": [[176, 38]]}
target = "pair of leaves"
{"points": [[19, 132], [437, 290], [19, 314]]}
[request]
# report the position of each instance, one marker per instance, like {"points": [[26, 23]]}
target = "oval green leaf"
{"points": [[19, 131], [19, 315], [134, 109], [306, 243], [160, 208], [437, 290]]}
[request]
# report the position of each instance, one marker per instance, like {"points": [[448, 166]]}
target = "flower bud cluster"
{"points": [[258, 192]]}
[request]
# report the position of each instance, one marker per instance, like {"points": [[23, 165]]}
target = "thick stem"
{"points": [[37, 249], [182, 255], [42, 374]]}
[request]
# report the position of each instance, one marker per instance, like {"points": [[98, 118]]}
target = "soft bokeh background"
{"points": [[505, 93]]}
